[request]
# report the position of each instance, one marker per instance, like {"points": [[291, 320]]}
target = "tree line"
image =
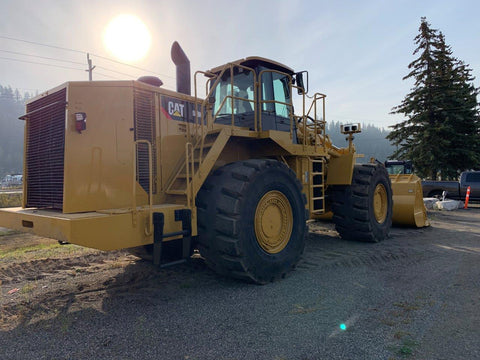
{"points": [[12, 105], [371, 142]]}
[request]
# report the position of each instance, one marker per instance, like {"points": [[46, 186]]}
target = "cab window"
{"points": [[275, 87], [242, 92]]}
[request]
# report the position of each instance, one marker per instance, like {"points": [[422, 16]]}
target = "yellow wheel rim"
{"points": [[273, 222], [380, 203]]}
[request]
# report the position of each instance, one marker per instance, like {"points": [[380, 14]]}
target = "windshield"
{"points": [[238, 101]]}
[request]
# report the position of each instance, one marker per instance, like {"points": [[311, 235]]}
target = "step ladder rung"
{"points": [[176, 192], [317, 186], [317, 173], [318, 198], [205, 146]]}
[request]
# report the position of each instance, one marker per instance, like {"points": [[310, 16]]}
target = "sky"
{"points": [[356, 52]]}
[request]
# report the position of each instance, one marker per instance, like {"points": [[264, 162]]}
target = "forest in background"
{"points": [[12, 105], [371, 141]]}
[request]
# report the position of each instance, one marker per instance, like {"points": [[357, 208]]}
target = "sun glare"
{"points": [[127, 38]]}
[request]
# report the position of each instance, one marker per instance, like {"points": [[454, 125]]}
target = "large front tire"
{"points": [[252, 220], [363, 211]]}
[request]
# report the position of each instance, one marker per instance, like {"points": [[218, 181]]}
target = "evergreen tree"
{"points": [[442, 132], [11, 135]]}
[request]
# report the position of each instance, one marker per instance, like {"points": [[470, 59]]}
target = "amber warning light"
{"points": [[80, 121]]}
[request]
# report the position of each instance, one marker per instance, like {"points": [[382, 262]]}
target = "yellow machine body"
{"points": [[103, 159]]}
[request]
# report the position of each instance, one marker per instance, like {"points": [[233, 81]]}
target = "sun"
{"points": [[127, 38]]}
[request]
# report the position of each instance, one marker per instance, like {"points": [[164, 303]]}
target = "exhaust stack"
{"points": [[183, 69]]}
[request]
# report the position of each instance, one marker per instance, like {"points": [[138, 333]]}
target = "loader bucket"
{"points": [[408, 207]]}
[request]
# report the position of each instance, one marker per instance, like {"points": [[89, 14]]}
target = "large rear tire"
{"points": [[363, 211], [252, 220]]}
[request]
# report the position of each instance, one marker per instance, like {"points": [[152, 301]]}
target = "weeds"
{"points": [[10, 199]]}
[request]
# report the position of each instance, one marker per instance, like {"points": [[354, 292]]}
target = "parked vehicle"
{"points": [[10, 181], [455, 189]]}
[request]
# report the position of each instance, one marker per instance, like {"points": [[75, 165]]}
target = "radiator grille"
{"points": [[144, 118], [45, 144]]}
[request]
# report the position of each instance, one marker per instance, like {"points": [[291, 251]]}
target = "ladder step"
{"points": [[318, 198], [317, 186], [317, 173], [176, 192], [205, 147]]}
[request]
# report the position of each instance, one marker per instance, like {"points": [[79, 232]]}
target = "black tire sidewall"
{"points": [[380, 230], [276, 178]]}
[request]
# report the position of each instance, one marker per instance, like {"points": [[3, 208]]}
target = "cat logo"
{"points": [[175, 109], [179, 110]]}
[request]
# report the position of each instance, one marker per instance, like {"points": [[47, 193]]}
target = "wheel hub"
{"points": [[273, 222], [380, 203]]}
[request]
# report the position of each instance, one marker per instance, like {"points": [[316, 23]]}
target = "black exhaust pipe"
{"points": [[183, 69]]}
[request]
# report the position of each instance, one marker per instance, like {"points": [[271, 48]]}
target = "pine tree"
{"points": [[442, 132]]}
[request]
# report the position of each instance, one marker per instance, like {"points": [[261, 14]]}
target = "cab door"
{"points": [[276, 100]]}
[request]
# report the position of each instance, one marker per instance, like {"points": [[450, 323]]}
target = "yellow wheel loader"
{"points": [[234, 171]]}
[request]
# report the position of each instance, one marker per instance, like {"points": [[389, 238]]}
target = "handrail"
{"points": [[227, 67], [149, 231], [317, 123], [189, 168]]}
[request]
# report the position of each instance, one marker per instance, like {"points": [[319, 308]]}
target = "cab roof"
{"points": [[253, 61]]}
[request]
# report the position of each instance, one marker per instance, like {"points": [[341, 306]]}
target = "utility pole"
{"points": [[90, 67]]}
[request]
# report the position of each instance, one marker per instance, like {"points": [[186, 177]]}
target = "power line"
{"points": [[118, 72], [40, 44], [132, 66], [108, 76], [38, 63], [42, 57], [57, 66], [83, 52]]}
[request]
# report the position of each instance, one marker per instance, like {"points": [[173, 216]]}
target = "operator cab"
{"points": [[395, 167], [236, 99]]}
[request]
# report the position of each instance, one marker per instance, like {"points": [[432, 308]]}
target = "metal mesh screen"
{"points": [[144, 119], [45, 144]]}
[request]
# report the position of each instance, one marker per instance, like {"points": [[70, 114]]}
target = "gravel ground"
{"points": [[413, 296]]}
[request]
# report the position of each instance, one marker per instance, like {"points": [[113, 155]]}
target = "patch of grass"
{"points": [[41, 251], [65, 323], [405, 350], [28, 288], [10, 199], [20, 252], [9, 232]]}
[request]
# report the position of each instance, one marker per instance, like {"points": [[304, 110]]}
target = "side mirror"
{"points": [[300, 82]]}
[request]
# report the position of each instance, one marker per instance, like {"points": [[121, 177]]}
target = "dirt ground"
{"points": [[416, 295]]}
